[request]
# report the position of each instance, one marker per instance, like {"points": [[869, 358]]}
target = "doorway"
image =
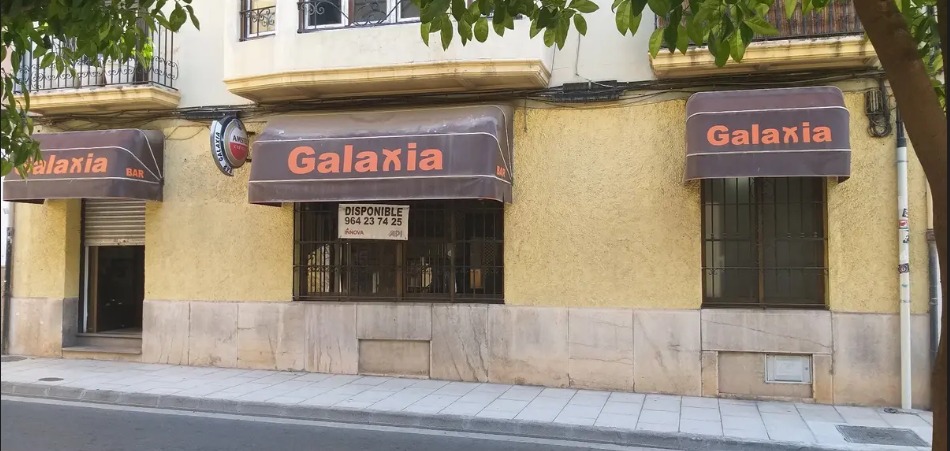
{"points": [[113, 233], [116, 289]]}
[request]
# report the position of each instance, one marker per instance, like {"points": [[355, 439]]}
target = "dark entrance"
{"points": [[117, 276]]}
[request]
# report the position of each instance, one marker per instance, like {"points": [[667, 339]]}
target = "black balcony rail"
{"points": [[838, 18], [321, 14], [160, 69], [257, 22]]}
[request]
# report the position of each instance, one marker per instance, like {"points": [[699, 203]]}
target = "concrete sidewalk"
{"points": [[675, 422]]}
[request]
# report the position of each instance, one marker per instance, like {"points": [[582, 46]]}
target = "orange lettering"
{"points": [[76, 167], [740, 138], [391, 160], [300, 160], [88, 163], [822, 135], [347, 158], [329, 163], [718, 135], [62, 167], [791, 134], [431, 160], [770, 136], [366, 161], [806, 132], [40, 167], [101, 165], [755, 133]]}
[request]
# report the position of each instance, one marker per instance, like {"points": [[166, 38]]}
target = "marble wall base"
{"points": [[855, 357]]}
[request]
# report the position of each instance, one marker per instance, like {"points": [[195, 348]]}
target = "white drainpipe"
{"points": [[904, 264]]}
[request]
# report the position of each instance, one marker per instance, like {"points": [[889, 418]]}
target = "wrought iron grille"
{"points": [[454, 253], [838, 18], [161, 69], [318, 14], [258, 18], [764, 242]]}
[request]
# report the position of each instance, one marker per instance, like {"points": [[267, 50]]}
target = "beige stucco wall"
{"points": [[46, 249], [601, 215], [204, 241], [601, 218], [862, 225]]}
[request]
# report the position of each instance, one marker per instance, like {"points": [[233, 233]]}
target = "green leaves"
{"points": [[481, 29], [583, 6], [55, 35], [628, 15], [656, 41], [790, 7], [580, 23], [761, 26]]}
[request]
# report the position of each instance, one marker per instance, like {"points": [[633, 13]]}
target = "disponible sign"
{"points": [[374, 222]]}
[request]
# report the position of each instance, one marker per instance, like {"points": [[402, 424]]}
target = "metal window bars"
{"points": [[454, 254], [256, 22], [319, 14], [764, 242]]}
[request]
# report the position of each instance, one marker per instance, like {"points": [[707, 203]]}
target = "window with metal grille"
{"points": [[454, 254], [258, 18], [764, 242]]}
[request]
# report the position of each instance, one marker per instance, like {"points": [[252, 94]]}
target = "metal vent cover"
{"points": [[881, 436]]}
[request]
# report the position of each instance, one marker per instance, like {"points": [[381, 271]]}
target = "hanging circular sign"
{"points": [[229, 144]]}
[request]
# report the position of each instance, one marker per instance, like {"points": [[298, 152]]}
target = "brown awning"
{"points": [[794, 132], [461, 152], [120, 164]]}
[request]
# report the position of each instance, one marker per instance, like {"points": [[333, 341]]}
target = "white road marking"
{"points": [[327, 424]]}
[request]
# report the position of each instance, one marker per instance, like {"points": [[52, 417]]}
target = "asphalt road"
{"points": [[31, 425]]}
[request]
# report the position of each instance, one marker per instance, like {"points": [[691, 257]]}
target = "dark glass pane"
{"points": [[323, 12]]}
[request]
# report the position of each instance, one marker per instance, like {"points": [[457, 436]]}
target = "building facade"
{"points": [[586, 217]]}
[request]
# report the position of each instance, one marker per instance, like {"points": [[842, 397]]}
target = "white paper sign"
{"points": [[374, 222]]}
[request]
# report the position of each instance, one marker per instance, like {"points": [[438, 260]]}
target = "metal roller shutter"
{"points": [[112, 222]]}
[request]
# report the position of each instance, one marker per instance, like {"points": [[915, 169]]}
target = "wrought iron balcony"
{"points": [[320, 14], [838, 18], [258, 22], [159, 70]]}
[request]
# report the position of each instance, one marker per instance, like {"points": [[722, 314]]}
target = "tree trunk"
{"points": [[926, 125]]}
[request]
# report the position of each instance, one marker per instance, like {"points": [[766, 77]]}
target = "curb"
{"points": [[648, 439]]}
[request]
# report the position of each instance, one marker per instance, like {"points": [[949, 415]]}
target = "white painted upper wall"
{"points": [[215, 53]]}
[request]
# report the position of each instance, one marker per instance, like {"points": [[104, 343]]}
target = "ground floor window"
{"points": [[764, 242], [454, 253]]}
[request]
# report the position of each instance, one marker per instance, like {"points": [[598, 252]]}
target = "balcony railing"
{"points": [[258, 22], [320, 14], [838, 18], [160, 70]]}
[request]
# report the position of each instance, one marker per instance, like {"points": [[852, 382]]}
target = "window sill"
{"points": [[258, 36], [741, 306]]}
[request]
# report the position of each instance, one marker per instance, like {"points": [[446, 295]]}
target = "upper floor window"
{"points": [[258, 18], [764, 242], [315, 14]]}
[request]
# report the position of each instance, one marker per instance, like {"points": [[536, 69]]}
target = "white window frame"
{"points": [[344, 18], [247, 6], [401, 19]]}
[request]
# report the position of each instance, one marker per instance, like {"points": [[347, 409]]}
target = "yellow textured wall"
{"points": [[46, 249], [601, 216], [862, 225], [205, 241]]}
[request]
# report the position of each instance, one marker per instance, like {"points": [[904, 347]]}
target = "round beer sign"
{"points": [[229, 144]]}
